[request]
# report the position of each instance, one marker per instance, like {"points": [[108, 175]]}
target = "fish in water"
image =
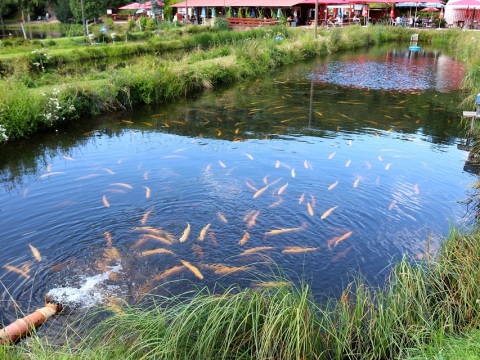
{"points": [[68, 158], [17, 270], [253, 219], [251, 186], [302, 197], [307, 165], [260, 192], [126, 186], [51, 174], [193, 269], [248, 215], [222, 217], [388, 166], [331, 187], [108, 237], [347, 164], [277, 164], [355, 183], [249, 156], [276, 203], [314, 202], [293, 173], [148, 192], [105, 201], [244, 239], [35, 252], [145, 216], [108, 171], [331, 155], [416, 189], [222, 164], [185, 234], [220, 269], [169, 272], [265, 179], [282, 189], [203, 232], [285, 230], [327, 213], [338, 239], [257, 250], [157, 251], [298, 249], [158, 238], [392, 205], [310, 209], [198, 250]]}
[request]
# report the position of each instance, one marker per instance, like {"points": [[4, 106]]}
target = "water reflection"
{"points": [[319, 180]]}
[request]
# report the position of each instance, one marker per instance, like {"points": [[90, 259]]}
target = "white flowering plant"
{"points": [[40, 59], [3, 134], [57, 109]]}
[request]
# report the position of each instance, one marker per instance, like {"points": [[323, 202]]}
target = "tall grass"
{"points": [[420, 303]]}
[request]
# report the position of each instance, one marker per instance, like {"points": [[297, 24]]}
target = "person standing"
{"points": [[47, 16]]}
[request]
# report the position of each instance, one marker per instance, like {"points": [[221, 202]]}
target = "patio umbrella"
{"points": [[213, 12], [202, 14], [392, 12], [440, 16]]}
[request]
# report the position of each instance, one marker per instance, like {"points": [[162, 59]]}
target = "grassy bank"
{"points": [[423, 303], [183, 62]]}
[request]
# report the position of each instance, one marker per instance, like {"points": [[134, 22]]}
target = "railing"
{"points": [[251, 22]]}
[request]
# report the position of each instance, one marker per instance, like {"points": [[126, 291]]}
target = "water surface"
{"points": [[360, 166]]}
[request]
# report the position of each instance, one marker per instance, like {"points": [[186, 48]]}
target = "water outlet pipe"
{"points": [[22, 327]]}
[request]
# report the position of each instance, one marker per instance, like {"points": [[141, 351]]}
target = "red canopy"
{"points": [[136, 6]]}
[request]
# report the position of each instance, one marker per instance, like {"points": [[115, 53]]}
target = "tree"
{"points": [[6, 7], [93, 9], [62, 11]]}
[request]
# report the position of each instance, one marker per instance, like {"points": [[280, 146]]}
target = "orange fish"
{"points": [[244, 239], [298, 249], [157, 251], [105, 201], [277, 164], [223, 269], [282, 189], [17, 270], [331, 155], [108, 171], [281, 231], [260, 192], [185, 234], [248, 215], [392, 204], [293, 173], [193, 269], [158, 238], [35, 252], [147, 192], [355, 183], [253, 219], [416, 189], [276, 203], [251, 186], [249, 156], [347, 164], [388, 166], [327, 213], [222, 164], [145, 216], [300, 200], [222, 217], [108, 236], [169, 272], [203, 232], [338, 239], [257, 249], [331, 187], [127, 186], [198, 250], [310, 209]]}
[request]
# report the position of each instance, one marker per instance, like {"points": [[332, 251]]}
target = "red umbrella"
{"points": [[392, 12], [440, 16], [429, 9]]}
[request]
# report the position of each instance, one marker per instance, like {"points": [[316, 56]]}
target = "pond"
{"points": [[340, 165]]}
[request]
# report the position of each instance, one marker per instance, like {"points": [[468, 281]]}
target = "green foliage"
{"points": [[221, 23], [62, 11], [93, 9]]}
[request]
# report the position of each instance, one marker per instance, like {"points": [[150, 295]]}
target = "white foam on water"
{"points": [[91, 292]]}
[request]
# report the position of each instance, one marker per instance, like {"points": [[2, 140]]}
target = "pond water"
{"points": [[339, 165]]}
